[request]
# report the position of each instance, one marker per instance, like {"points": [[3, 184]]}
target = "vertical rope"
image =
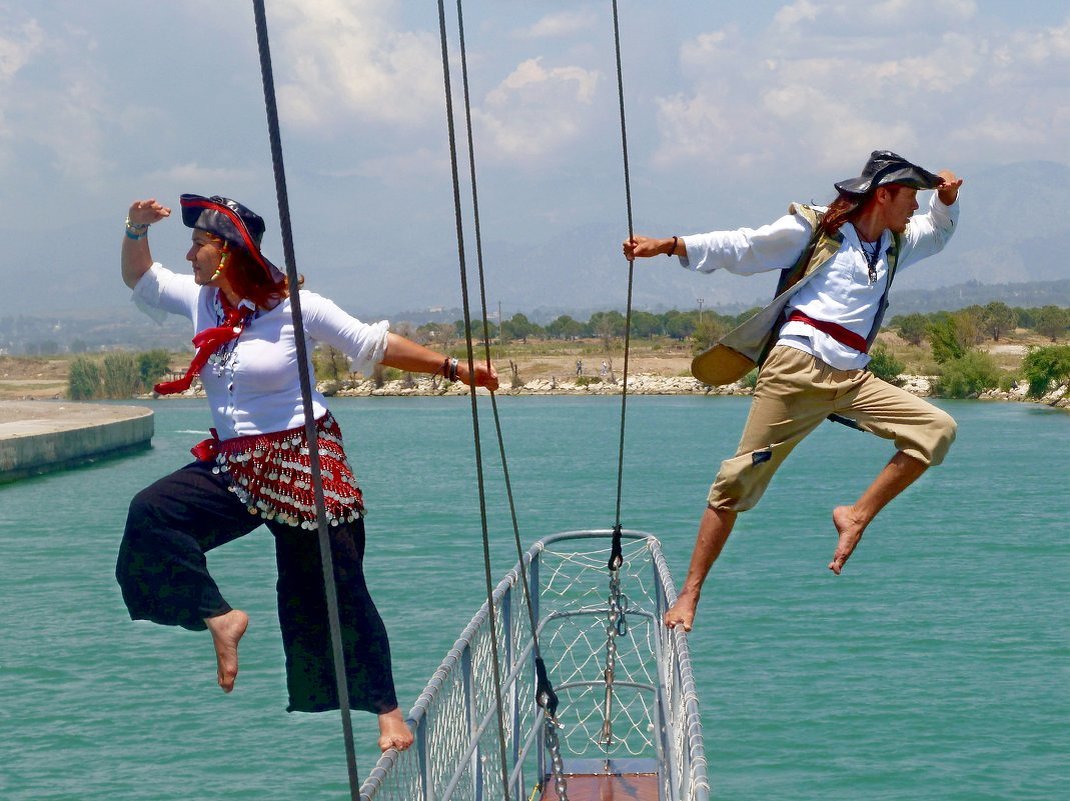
{"points": [[631, 264], [472, 395], [545, 696], [306, 395]]}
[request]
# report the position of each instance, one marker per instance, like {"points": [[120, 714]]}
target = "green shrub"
{"points": [[750, 380], [120, 377], [587, 380], [83, 380], [1046, 367], [884, 365], [967, 376], [152, 365]]}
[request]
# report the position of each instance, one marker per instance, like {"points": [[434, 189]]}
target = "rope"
{"points": [[472, 392], [306, 395], [631, 273], [616, 559], [545, 696]]}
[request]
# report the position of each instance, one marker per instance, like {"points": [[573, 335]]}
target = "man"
{"points": [[812, 341]]}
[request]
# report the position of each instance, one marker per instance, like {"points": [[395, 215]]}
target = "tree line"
{"points": [[702, 327], [962, 367]]}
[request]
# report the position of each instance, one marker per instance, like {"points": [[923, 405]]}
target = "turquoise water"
{"points": [[936, 667]]}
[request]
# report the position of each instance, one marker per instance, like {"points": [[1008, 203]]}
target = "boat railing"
{"points": [[643, 720]]}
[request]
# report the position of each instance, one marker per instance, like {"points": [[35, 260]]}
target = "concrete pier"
{"points": [[42, 436]]}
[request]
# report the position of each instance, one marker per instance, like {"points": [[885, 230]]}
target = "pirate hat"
{"points": [[885, 167], [232, 222]]}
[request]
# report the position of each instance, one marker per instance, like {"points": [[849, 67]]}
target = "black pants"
{"points": [[164, 578]]}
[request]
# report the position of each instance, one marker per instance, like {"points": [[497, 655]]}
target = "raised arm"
{"points": [[136, 257], [407, 355]]}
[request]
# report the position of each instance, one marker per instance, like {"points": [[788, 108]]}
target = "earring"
{"points": [[222, 264]]}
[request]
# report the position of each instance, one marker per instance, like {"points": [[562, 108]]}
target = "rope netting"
{"points": [[655, 714]]}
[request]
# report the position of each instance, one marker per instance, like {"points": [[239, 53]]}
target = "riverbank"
{"points": [[39, 437]]}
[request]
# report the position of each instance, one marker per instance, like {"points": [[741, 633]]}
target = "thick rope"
{"points": [[306, 395], [472, 395], [631, 272]]}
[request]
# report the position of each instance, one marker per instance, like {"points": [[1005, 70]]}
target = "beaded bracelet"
{"points": [[136, 231]]}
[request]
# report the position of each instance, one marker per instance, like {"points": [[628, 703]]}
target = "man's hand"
{"points": [[948, 192], [642, 247]]}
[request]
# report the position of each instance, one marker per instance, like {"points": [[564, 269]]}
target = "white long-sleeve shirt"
{"points": [[253, 385], [841, 292]]}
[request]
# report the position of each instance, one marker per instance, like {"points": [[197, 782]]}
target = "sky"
{"points": [[732, 110]]}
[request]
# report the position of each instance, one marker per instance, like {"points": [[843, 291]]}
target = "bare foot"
{"points": [[393, 733], [850, 531], [682, 613], [227, 629]]}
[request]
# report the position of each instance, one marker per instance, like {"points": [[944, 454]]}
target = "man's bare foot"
{"points": [[682, 613], [850, 531], [227, 629], [393, 733]]}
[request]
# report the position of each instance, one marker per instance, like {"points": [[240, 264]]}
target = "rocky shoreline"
{"points": [[641, 384]]}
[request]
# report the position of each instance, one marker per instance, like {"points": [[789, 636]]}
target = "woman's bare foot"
{"points": [[227, 629], [850, 531], [682, 613], [393, 733]]}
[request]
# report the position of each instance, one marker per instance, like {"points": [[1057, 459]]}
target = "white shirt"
{"points": [[253, 385], [841, 292]]}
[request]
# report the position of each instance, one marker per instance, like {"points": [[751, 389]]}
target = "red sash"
{"points": [[842, 335]]}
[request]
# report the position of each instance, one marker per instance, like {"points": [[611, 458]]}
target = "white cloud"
{"points": [[831, 76], [351, 60], [536, 110], [17, 46], [562, 24]]}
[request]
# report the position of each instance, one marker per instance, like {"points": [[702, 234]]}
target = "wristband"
{"points": [[136, 231], [672, 250]]}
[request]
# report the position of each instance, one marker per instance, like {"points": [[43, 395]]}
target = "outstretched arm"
{"points": [[136, 258], [407, 355]]}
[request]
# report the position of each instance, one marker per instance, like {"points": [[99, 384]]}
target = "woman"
{"points": [[257, 461]]}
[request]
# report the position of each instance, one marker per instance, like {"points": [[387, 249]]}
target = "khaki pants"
{"points": [[795, 392]]}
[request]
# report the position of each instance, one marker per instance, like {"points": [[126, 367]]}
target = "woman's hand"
{"points": [[146, 212], [485, 376]]}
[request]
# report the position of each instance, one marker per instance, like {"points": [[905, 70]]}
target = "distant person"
{"points": [[579, 366], [837, 264], [255, 468]]}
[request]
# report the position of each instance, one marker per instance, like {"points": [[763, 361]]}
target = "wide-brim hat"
{"points": [[885, 167], [232, 222]]}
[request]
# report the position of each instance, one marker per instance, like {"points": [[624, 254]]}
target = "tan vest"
{"points": [[746, 346]]}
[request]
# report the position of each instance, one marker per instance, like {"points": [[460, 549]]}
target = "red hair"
{"points": [[247, 278]]}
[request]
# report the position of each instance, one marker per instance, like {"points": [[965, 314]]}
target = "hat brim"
{"points": [[914, 177]]}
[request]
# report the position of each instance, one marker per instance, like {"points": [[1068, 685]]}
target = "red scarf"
{"points": [[208, 342]]}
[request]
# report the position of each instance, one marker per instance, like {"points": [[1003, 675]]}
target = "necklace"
{"points": [[871, 250]]}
